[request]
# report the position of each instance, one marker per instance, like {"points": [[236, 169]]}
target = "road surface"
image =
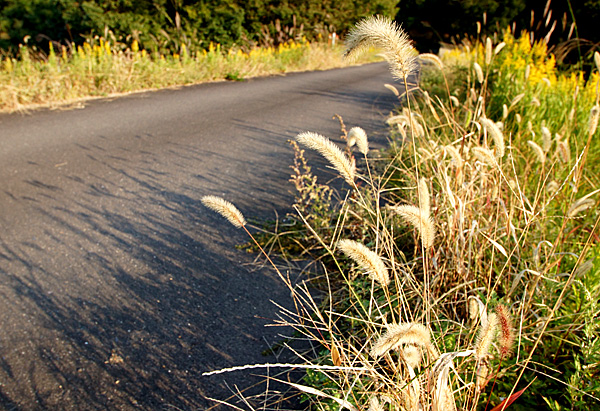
{"points": [[117, 288]]}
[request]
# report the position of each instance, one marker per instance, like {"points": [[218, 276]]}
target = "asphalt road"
{"points": [[117, 288]]}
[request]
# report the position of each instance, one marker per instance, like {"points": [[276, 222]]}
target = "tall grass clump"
{"points": [[103, 67], [459, 269]]}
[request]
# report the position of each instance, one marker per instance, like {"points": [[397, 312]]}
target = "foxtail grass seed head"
{"points": [[455, 101], [399, 119], [504, 111], [473, 95], [482, 373], [594, 114], [597, 60], [547, 82], [400, 334], [579, 206], [552, 187], [478, 72], [385, 34], [516, 100], [527, 72], [488, 51], [537, 150], [226, 209], [485, 336], [476, 310], [564, 151], [455, 155], [546, 139], [518, 118], [360, 137], [506, 338], [392, 89], [424, 198], [499, 48], [366, 259], [571, 115], [412, 355], [375, 405], [535, 102], [331, 152], [496, 135], [433, 59], [418, 219], [485, 155], [442, 397]]}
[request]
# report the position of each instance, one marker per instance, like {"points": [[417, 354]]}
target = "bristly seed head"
{"points": [[226, 209], [432, 58], [496, 135], [367, 259], [487, 332], [424, 198], [478, 72], [359, 136], [392, 89], [537, 150], [383, 33], [331, 152], [418, 219], [593, 123], [484, 155], [546, 139], [399, 334], [507, 333]]}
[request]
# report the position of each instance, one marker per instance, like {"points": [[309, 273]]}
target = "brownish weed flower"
{"points": [[331, 152], [367, 259], [383, 33], [507, 333], [226, 209]]}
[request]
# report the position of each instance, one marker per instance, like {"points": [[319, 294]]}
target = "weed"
{"points": [[477, 230]]}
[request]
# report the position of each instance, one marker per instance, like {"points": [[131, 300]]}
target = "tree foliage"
{"points": [[166, 24]]}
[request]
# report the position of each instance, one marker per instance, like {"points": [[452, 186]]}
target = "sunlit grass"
{"points": [[460, 268], [99, 68]]}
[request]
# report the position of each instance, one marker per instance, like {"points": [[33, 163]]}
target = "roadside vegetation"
{"points": [[458, 268], [101, 68]]}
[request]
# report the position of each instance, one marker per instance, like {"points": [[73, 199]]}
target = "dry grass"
{"points": [[491, 285], [100, 69]]}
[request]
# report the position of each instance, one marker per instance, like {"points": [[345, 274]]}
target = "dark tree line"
{"points": [[166, 24], [430, 22]]}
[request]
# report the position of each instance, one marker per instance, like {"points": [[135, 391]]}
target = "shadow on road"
{"points": [[159, 295]]}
